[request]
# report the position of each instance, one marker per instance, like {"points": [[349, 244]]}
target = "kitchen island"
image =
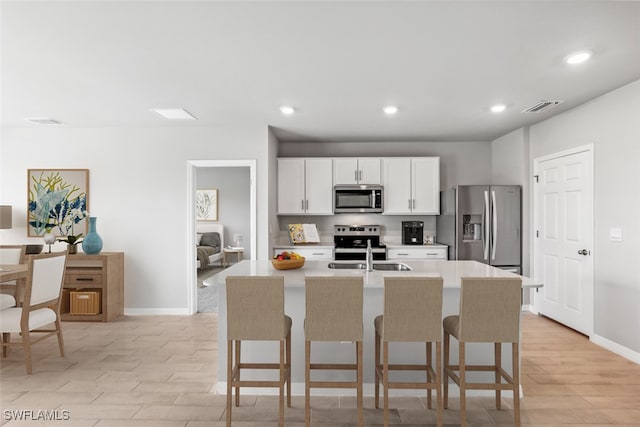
{"points": [[450, 271]]}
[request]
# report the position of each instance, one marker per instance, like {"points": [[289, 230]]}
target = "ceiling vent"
{"points": [[43, 120], [541, 106]]}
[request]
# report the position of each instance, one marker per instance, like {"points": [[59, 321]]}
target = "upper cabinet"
{"points": [[411, 185], [305, 186], [354, 170]]}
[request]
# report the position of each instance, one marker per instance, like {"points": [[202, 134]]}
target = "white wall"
{"points": [[510, 165], [233, 200], [138, 191], [612, 123]]}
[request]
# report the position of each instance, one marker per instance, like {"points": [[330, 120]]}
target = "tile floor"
{"points": [[161, 372]]}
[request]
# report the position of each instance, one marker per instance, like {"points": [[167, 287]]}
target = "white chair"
{"points": [[11, 254], [7, 301], [41, 305]]}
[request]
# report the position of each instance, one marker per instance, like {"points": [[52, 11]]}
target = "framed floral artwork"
{"points": [[207, 205], [57, 201]]}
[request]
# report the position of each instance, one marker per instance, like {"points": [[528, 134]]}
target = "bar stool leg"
{"points": [[238, 367], [229, 379], [385, 379], [445, 375], [463, 386], [439, 382], [497, 348], [288, 365], [359, 387], [516, 382], [429, 379], [307, 381], [281, 388], [377, 374]]}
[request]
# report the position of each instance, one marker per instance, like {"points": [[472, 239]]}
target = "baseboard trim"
{"points": [[616, 348], [157, 312]]}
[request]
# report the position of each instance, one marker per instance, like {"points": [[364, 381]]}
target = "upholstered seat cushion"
{"points": [[7, 301], [451, 325], [10, 319]]}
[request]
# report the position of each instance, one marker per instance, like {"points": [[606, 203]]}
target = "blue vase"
{"points": [[92, 243]]}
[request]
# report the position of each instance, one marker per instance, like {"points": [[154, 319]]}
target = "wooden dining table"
{"points": [[9, 272]]}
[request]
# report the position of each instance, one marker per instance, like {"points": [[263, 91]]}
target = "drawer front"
{"points": [[83, 276], [418, 253], [309, 253]]}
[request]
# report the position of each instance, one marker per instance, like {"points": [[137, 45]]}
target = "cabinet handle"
{"points": [[306, 205], [431, 253], [355, 175], [317, 253], [360, 175], [403, 254], [84, 279], [414, 204], [302, 206], [409, 204]]}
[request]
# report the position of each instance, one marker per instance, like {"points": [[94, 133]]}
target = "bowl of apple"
{"points": [[286, 260]]}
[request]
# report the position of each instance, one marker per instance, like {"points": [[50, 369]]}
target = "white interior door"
{"points": [[564, 237]]}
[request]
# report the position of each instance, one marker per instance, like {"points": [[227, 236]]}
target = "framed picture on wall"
{"points": [[207, 205], [57, 201]]}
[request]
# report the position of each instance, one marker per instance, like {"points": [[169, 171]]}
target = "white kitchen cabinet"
{"points": [[309, 253], [411, 185], [356, 170], [305, 186], [417, 253]]}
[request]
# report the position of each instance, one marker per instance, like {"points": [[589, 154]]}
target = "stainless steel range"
{"points": [[351, 242]]}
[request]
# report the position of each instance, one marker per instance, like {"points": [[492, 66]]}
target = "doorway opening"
{"points": [[195, 167]]}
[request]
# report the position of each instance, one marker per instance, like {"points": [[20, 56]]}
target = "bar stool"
{"points": [[255, 312], [489, 312], [412, 313], [333, 312]]}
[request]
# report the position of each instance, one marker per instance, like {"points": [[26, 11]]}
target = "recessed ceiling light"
{"points": [[390, 110], [498, 108], [287, 110], [43, 120], [174, 113], [578, 57]]}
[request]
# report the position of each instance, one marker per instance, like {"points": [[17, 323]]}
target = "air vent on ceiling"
{"points": [[541, 106], [43, 120]]}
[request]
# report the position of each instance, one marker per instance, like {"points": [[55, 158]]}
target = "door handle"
{"points": [[494, 225], [485, 226], [584, 252]]}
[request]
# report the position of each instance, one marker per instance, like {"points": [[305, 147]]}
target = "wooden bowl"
{"points": [[287, 264]]}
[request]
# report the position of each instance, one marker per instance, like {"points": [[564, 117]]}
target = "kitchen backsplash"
{"points": [[391, 225]]}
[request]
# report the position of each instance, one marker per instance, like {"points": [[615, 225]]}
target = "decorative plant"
{"points": [[55, 205], [71, 239]]}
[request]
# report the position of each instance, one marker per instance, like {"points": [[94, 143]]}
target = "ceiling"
{"points": [[105, 64]]}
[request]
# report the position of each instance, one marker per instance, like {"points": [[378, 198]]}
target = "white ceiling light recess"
{"points": [[498, 108], [174, 113], [43, 121], [390, 110], [577, 58], [287, 110]]}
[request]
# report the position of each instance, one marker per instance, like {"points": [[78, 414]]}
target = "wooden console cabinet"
{"points": [[94, 276]]}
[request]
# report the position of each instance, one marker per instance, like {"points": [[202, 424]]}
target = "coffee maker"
{"points": [[412, 232]]}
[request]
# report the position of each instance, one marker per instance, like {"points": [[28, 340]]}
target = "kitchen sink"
{"points": [[394, 266]]}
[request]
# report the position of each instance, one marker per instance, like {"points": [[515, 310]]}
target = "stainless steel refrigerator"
{"points": [[482, 223]]}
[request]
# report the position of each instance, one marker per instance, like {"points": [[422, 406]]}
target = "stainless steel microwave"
{"points": [[357, 198]]}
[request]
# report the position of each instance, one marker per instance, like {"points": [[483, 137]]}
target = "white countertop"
{"points": [[451, 272], [320, 245], [434, 246]]}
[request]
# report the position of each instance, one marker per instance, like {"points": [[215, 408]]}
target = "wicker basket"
{"points": [[287, 264]]}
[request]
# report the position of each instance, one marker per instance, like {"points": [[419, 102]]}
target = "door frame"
{"points": [[192, 166], [589, 148]]}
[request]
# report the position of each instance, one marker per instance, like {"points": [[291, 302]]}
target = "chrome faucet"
{"points": [[369, 258]]}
